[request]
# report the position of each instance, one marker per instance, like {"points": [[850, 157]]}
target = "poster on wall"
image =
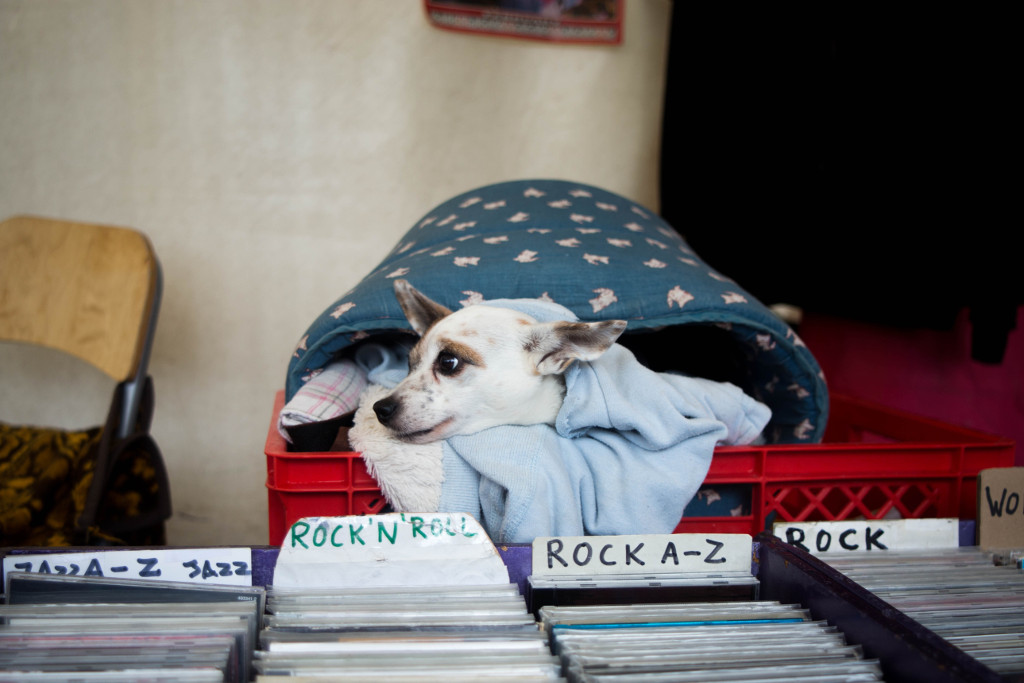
{"points": [[563, 21]]}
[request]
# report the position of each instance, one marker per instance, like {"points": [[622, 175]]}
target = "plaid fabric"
{"points": [[330, 393]]}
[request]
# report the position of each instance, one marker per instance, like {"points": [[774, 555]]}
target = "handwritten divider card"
{"points": [[652, 568], [394, 549], [222, 566], [643, 555], [1001, 508], [873, 535]]}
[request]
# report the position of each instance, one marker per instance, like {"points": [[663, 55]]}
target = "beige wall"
{"points": [[274, 152]]}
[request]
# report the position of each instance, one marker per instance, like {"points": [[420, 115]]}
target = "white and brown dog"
{"points": [[483, 366]]}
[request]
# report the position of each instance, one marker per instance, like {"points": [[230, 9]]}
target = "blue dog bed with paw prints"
{"points": [[602, 256]]}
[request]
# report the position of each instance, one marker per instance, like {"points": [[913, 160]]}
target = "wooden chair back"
{"points": [[88, 290]]}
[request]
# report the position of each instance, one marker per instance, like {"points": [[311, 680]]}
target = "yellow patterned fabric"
{"points": [[44, 477], [47, 479]]}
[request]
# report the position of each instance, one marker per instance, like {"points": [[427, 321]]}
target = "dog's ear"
{"points": [[554, 346], [420, 311]]}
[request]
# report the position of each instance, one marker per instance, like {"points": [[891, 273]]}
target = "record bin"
{"points": [[906, 650], [874, 462]]}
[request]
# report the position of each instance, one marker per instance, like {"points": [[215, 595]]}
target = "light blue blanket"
{"points": [[629, 449]]}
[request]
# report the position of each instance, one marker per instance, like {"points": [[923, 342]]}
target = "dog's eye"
{"points": [[447, 363]]}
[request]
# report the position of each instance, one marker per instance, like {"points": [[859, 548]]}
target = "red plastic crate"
{"points": [[873, 461], [314, 484]]}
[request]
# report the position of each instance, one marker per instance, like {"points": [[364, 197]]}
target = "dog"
{"points": [[483, 366]]}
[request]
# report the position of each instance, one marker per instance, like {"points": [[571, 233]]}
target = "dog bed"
{"points": [[602, 256]]}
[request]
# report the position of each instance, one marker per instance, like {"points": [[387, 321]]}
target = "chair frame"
{"points": [[88, 262], [92, 292]]}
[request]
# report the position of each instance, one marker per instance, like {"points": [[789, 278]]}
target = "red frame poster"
{"points": [[564, 21]]}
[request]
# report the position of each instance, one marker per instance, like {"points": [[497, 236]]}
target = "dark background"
{"points": [[852, 165]]}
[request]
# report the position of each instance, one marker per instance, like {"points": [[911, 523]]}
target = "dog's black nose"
{"points": [[385, 409]]}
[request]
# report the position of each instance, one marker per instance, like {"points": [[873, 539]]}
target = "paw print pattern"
{"points": [[339, 311], [539, 216], [605, 298]]}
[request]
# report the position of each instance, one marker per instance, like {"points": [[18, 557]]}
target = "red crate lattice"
{"points": [[868, 500]]}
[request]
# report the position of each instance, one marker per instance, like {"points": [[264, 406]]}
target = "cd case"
{"points": [[965, 595], [58, 627], [442, 633], [699, 642]]}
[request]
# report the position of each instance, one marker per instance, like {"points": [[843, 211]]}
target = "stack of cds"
{"points": [[960, 594], [403, 633], [732, 641], [605, 590], [58, 628]]}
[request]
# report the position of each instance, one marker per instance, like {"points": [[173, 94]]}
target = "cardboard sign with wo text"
{"points": [[1001, 507]]}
